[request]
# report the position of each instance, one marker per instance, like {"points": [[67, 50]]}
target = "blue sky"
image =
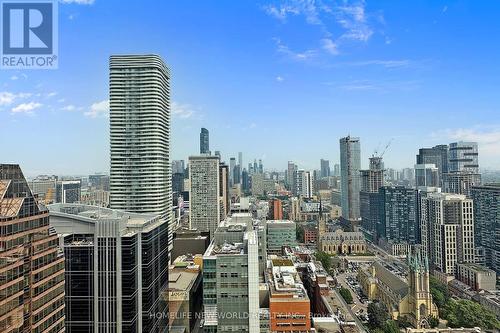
{"points": [[276, 80]]}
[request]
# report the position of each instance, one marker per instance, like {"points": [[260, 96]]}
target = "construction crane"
{"points": [[386, 147]]}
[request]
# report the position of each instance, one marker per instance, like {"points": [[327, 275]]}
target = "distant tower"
{"points": [[204, 142], [420, 304]]}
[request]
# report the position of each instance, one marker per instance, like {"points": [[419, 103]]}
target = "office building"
{"points": [[68, 191], [99, 182], [261, 185], [290, 176], [231, 277], [398, 223], [141, 180], [245, 181], [280, 233], [204, 205], [427, 175], [325, 168], [447, 230], [94, 197], [32, 266], [437, 155], [350, 164], [240, 161], [232, 167], [178, 166], [116, 268], [177, 183], [44, 188], [487, 223], [336, 170], [204, 141]]}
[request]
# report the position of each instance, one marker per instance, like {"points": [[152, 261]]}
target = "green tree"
{"points": [[390, 326], [346, 295], [433, 322], [377, 315], [440, 293], [465, 313], [324, 258]]}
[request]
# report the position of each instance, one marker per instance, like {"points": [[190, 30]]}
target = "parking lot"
{"points": [[348, 280]]}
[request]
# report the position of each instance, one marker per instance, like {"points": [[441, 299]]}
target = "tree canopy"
{"points": [[346, 295]]}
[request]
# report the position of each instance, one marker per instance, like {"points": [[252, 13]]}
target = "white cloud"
{"points": [[78, 2], [307, 8], [51, 94], [330, 46], [7, 98], [298, 56], [353, 19], [182, 111], [14, 77], [355, 23], [69, 107], [26, 107], [280, 78], [98, 109]]}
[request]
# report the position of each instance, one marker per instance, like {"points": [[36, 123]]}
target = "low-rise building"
{"points": [[289, 305], [310, 234], [183, 294], [476, 276]]}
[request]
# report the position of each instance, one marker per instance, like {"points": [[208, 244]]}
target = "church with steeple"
{"points": [[420, 304], [410, 298]]}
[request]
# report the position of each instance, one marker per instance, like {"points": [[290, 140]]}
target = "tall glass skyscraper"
{"points": [[350, 165], [204, 141]]}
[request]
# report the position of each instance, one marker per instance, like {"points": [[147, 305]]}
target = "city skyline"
{"points": [[328, 60]]}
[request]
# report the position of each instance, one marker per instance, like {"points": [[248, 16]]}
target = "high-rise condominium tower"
{"points": [[487, 222], [204, 142], [32, 267], [140, 135], [204, 212], [447, 230], [350, 164]]}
